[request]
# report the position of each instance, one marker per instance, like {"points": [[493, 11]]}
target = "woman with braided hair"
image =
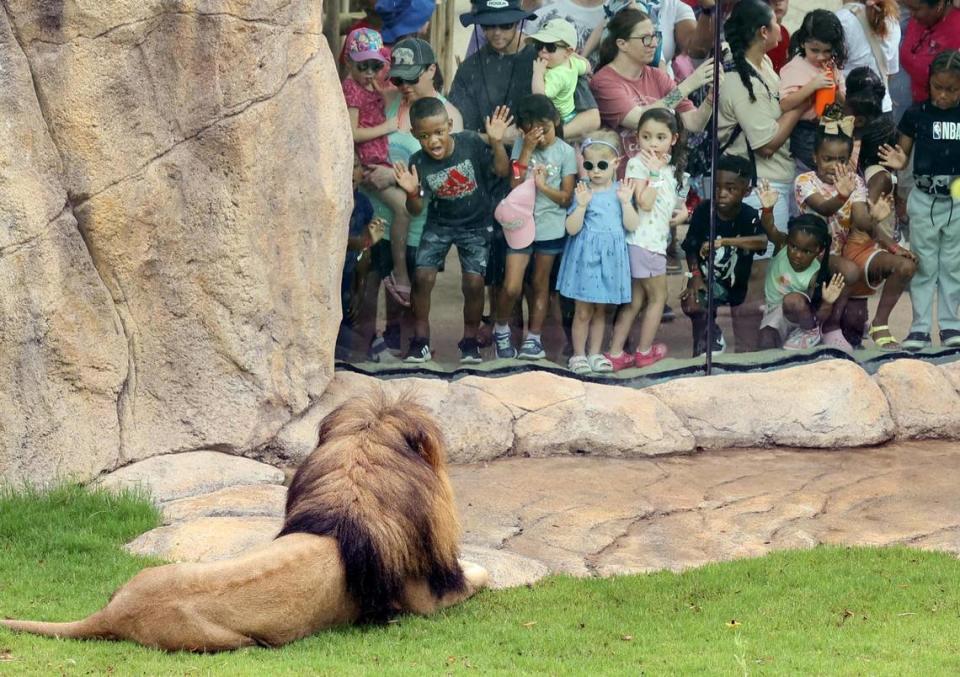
{"points": [[751, 123]]}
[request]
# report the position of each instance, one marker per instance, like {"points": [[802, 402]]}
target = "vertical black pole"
{"points": [[714, 151]]}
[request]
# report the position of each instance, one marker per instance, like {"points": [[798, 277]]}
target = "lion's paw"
{"points": [[476, 575]]}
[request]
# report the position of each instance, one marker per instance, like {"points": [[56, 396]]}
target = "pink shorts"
{"points": [[645, 263]]}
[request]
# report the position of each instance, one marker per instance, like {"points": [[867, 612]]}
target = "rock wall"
{"points": [[171, 187]]}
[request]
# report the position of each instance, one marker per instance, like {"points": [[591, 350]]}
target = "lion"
{"points": [[370, 531]]}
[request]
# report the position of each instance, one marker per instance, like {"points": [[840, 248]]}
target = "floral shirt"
{"points": [[840, 223]]}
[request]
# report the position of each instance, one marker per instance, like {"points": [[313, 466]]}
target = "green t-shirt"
{"points": [[560, 83], [782, 279]]}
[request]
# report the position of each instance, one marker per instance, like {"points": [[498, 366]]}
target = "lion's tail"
{"points": [[91, 627]]}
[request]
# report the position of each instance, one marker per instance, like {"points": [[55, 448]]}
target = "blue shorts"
{"points": [[546, 247], [472, 242]]}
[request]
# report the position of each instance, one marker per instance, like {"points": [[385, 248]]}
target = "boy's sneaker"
{"points": [[801, 339], [377, 348], [669, 314], [950, 338], [531, 349], [916, 340], [719, 343], [504, 345], [419, 350], [469, 351], [391, 337]]}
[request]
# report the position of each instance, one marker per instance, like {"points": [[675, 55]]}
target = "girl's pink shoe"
{"points": [[622, 361], [658, 351]]}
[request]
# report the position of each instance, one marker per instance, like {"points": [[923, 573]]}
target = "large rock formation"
{"points": [[171, 188]]}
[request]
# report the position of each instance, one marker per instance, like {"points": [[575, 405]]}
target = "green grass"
{"points": [[847, 611]]}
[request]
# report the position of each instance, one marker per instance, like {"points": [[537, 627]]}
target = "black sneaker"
{"points": [[719, 343], [391, 339], [469, 351], [950, 338], [668, 314], [376, 349], [916, 340], [419, 350]]}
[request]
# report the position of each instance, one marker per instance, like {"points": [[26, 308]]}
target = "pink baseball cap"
{"points": [[515, 214], [365, 44]]}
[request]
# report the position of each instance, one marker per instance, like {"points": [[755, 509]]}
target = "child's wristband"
{"points": [[696, 273], [766, 210], [519, 169]]}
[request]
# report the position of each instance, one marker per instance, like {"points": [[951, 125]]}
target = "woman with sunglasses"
{"points": [[415, 74], [934, 26], [626, 85]]}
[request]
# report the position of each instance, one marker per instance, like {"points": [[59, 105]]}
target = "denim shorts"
{"points": [[545, 247], [472, 242]]}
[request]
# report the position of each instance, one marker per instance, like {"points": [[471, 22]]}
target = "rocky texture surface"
{"points": [[826, 404], [923, 400], [62, 351], [179, 476], [525, 518], [176, 193], [833, 403]]}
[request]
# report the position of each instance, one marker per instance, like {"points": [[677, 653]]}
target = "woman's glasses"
{"points": [[603, 165], [400, 82], [648, 40], [371, 65], [551, 47]]}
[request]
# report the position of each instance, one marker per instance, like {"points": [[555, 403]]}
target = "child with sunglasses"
{"points": [[595, 268], [368, 120], [558, 67]]}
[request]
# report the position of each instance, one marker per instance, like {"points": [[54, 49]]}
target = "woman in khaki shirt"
{"points": [[749, 111]]}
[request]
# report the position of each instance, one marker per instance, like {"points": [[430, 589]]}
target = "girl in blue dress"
{"points": [[595, 269]]}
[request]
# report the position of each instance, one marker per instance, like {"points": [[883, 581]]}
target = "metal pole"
{"points": [[714, 151]]}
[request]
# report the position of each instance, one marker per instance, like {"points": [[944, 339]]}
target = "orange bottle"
{"points": [[824, 97]]}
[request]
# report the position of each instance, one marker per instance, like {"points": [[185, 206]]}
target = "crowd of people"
{"points": [[569, 165]]}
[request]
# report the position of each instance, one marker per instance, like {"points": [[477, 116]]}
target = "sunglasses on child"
{"points": [[371, 65], [551, 47], [603, 165]]}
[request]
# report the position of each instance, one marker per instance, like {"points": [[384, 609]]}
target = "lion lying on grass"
{"points": [[370, 531]]}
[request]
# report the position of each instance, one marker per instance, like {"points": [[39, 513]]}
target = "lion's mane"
{"points": [[377, 483]]}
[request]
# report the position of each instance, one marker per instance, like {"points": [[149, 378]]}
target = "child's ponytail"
{"points": [[818, 228]]}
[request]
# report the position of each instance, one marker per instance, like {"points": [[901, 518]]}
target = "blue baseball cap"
{"points": [[403, 17]]}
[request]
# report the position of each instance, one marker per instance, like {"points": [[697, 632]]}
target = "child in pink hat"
{"points": [[368, 120]]}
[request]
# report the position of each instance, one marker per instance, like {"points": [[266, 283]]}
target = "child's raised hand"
{"points": [[892, 157], [625, 191], [768, 196], [651, 160], [584, 194], [376, 228], [882, 208], [832, 289], [498, 123], [844, 180], [406, 178]]}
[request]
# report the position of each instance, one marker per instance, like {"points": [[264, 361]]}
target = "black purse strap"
{"points": [[737, 131]]}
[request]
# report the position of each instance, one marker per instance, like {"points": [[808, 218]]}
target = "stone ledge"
{"points": [[828, 404]]}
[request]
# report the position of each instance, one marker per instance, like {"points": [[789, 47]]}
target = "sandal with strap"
{"points": [[578, 365], [599, 364], [888, 342]]}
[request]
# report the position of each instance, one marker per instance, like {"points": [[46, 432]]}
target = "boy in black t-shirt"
{"points": [[451, 173], [740, 235]]}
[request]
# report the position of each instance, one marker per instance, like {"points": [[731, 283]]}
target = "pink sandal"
{"points": [[399, 292]]}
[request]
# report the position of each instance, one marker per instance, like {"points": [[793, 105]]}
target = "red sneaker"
{"points": [[658, 351], [624, 361]]}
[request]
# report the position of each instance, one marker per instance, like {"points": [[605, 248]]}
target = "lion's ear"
{"points": [[424, 437]]}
